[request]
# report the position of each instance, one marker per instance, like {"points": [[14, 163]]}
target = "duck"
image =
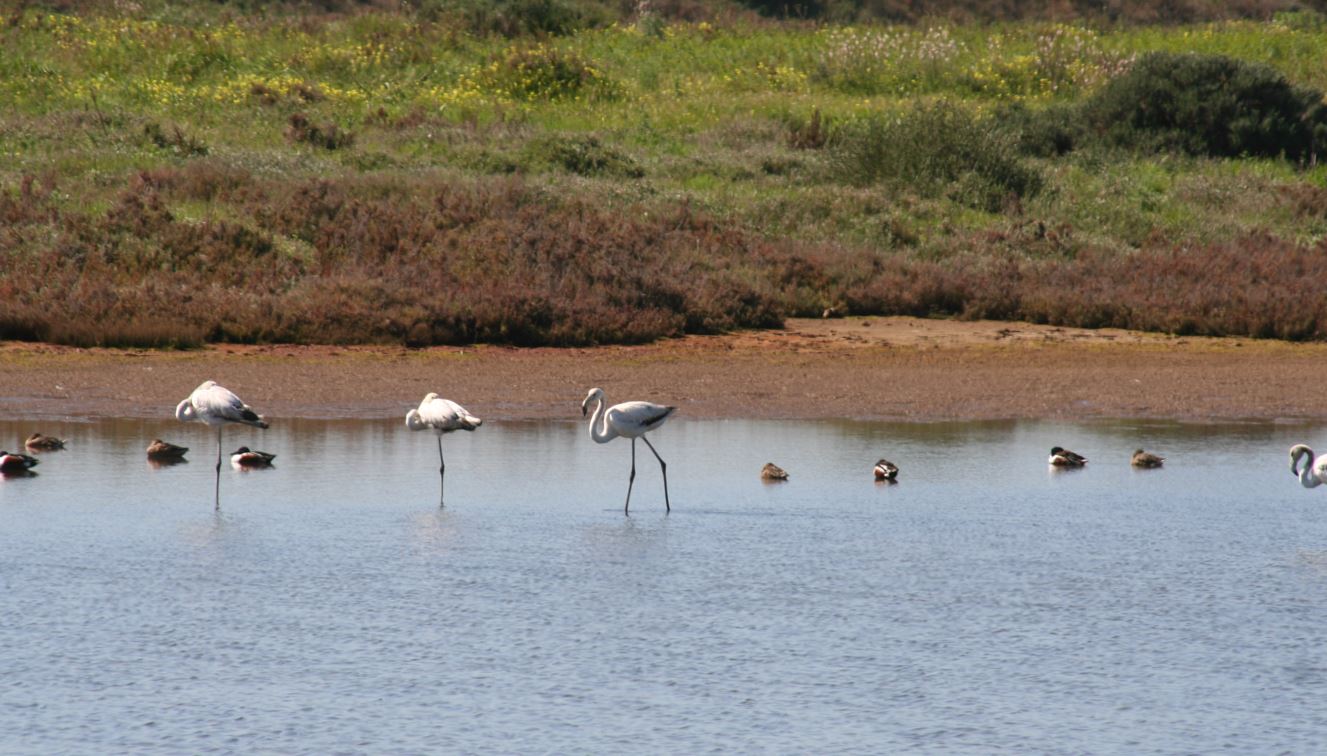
{"points": [[1314, 473], [885, 470], [772, 471], [1143, 459], [15, 462], [159, 449], [246, 457], [38, 442], [1061, 457]]}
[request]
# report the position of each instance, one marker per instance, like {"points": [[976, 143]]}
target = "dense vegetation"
{"points": [[555, 172]]}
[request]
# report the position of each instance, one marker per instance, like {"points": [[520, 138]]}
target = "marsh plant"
{"points": [[585, 172]]}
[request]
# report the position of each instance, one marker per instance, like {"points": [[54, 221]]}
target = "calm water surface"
{"points": [[983, 604]]}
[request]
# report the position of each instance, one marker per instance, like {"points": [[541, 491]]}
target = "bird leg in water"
{"points": [[663, 467], [217, 490], [631, 480], [442, 471]]}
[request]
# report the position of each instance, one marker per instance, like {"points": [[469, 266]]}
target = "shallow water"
{"points": [[984, 603]]}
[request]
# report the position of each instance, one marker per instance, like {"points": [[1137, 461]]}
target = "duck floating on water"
{"points": [[1144, 459], [772, 471], [159, 449], [885, 470], [1061, 457], [246, 457], [15, 462], [39, 442]]}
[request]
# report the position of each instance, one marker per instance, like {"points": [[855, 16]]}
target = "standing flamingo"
{"points": [[442, 416], [630, 420], [1314, 473], [216, 405]]}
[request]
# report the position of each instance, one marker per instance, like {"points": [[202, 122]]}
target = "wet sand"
{"points": [[867, 368]]}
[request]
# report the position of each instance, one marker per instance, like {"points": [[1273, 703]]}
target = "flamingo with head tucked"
{"points": [[440, 416], [630, 420], [217, 406], [1314, 473]]}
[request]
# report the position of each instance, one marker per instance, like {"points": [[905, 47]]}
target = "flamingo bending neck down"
{"points": [[441, 416], [216, 405], [1314, 473], [629, 420]]}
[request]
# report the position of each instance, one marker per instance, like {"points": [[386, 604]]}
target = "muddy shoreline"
{"points": [[859, 368]]}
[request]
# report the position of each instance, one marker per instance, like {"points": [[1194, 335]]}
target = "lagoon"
{"points": [[984, 603]]}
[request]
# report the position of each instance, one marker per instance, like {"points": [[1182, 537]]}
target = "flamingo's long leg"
{"points": [[663, 467], [217, 491], [442, 471], [626, 509]]}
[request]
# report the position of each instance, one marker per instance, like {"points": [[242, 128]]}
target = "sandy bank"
{"points": [[870, 368]]}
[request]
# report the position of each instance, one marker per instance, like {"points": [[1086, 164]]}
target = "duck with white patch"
{"points": [[15, 462], [1061, 457], [885, 470], [246, 457]]}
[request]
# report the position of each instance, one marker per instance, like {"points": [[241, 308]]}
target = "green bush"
{"points": [[1209, 105], [936, 149], [515, 18], [584, 155], [540, 72], [1046, 132]]}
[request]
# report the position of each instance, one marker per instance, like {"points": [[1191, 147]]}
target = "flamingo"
{"points": [[38, 442], [885, 470], [441, 416], [1314, 473], [630, 420], [14, 462], [216, 405], [159, 449], [772, 471], [1141, 458], [246, 457], [1065, 458]]}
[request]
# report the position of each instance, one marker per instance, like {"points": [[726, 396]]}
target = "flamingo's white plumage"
{"points": [[440, 416], [1314, 473], [629, 420], [217, 406]]}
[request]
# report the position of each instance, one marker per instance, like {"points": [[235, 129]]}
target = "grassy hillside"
{"points": [[192, 174]]}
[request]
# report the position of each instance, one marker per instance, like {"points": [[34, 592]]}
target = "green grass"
{"points": [[701, 116]]}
